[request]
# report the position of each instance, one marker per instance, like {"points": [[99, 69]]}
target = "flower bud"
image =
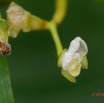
{"points": [[5, 47], [19, 19]]}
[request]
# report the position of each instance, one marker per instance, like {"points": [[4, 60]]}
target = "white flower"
{"points": [[74, 58], [20, 19]]}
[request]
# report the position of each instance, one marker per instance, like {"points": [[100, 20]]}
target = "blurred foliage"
{"points": [[6, 95], [4, 2]]}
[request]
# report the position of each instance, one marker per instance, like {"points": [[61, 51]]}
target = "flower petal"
{"points": [[74, 67], [68, 76], [76, 71], [78, 45], [66, 58], [20, 19], [60, 58]]}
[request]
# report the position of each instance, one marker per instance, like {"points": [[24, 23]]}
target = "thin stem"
{"points": [[55, 36]]}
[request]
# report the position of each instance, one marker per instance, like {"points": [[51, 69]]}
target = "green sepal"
{"points": [[3, 24], [59, 64], [84, 63]]}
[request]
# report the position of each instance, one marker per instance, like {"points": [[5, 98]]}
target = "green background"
{"points": [[33, 63]]}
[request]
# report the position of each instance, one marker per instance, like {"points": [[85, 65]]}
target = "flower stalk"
{"points": [[54, 33], [60, 11]]}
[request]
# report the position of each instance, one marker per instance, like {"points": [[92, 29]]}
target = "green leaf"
{"points": [[6, 95]]}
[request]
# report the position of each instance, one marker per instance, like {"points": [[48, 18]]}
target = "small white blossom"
{"points": [[18, 19], [74, 58]]}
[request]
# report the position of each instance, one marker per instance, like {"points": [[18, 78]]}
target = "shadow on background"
{"points": [[33, 63]]}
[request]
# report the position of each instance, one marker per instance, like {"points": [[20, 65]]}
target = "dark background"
{"points": [[33, 62]]}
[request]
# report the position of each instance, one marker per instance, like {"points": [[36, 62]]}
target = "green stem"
{"points": [[55, 36], [6, 95]]}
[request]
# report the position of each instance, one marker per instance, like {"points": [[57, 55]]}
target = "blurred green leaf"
{"points": [[6, 95]]}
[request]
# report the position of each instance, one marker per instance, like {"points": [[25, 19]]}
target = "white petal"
{"points": [[78, 57], [67, 57], [77, 50], [15, 14], [74, 67], [78, 45], [76, 71]]}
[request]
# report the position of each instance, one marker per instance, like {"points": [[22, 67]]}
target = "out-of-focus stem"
{"points": [[60, 11]]}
